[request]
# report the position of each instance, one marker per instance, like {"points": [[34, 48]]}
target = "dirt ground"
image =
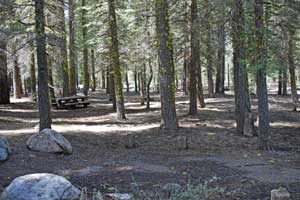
{"points": [[101, 160]]}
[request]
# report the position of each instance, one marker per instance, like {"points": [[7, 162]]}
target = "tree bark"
{"points": [[220, 77], [127, 79], [194, 61], [149, 83], [135, 80], [50, 79], [142, 84], [291, 61], [32, 77], [86, 76], [166, 66], [242, 101], [4, 83], [63, 48], [94, 83], [17, 79], [261, 82], [43, 95], [72, 49], [115, 59], [103, 74]]}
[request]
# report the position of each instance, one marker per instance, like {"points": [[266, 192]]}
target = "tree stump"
{"points": [[280, 194]]}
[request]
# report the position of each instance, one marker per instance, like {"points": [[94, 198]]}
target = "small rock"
{"points": [[49, 141], [117, 196], [183, 143], [4, 149], [131, 142], [280, 194], [172, 188], [40, 187]]}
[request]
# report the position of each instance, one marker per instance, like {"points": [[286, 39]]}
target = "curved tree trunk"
{"points": [[166, 66]]}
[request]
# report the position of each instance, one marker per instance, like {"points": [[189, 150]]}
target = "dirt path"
{"points": [[101, 159]]}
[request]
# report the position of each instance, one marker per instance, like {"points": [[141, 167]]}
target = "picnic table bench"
{"points": [[71, 102]]}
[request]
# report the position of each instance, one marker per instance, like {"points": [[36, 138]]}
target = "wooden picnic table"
{"points": [[71, 102]]}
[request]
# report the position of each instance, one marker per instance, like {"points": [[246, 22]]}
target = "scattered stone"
{"points": [[183, 143], [280, 194], [117, 196], [4, 149], [172, 188], [131, 142], [40, 187], [49, 141]]}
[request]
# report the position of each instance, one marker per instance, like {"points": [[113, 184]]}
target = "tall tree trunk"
{"points": [[280, 82], [149, 83], [103, 74], [220, 77], [284, 81], [194, 61], [108, 76], [261, 82], [63, 48], [32, 77], [209, 52], [93, 70], [43, 95], [86, 76], [187, 48], [126, 79], [112, 92], [72, 49], [17, 79], [142, 84], [50, 79], [166, 66], [135, 80], [242, 101], [4, 83], [291, 61], [115, 59]]}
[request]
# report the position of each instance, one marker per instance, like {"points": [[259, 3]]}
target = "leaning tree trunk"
{"points": [[72, 48], [4, 83], [32, 77], [43, 96], [291, 61], [166, 66], [261, 82], [194, 61], [63, 49], [244, 122], [86, 76], [115, 59], [17, 79]]}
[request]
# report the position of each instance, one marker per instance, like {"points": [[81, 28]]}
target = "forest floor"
{"points": [[216, 155]]}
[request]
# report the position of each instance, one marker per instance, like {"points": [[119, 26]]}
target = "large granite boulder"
{"points": [[49, 141], [4, 149], [40, 187]]}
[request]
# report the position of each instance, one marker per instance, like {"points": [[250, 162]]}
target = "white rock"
{"points": [[40, 187], [49, 141], [4, 149]]}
